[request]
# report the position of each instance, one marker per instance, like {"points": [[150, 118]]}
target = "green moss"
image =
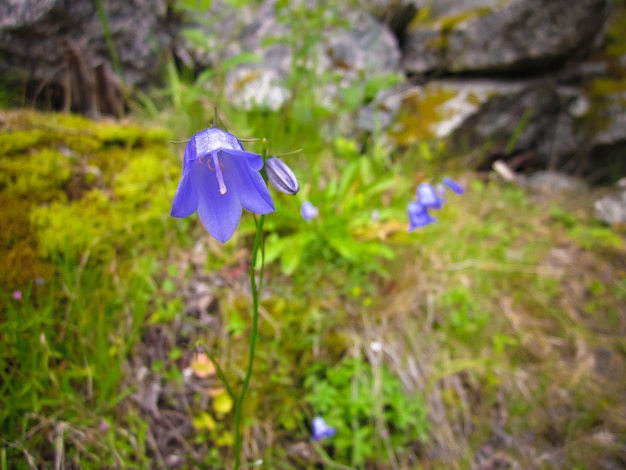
{"points": [[67, 183], [448, 23], [616, 34], [602, 87], [418, 114]]}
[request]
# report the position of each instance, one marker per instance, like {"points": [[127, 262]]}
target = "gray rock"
{"points": [[396, 14], [491, 36], [354, 48], [61, 44], [611, 208], [555, 181], [19, 13], [474, 111], [614, 131]]}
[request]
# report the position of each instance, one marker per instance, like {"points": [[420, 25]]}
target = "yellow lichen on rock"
{"points": [[419, 114]]}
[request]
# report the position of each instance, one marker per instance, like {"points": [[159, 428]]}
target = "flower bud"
{"points": [[453, 185], [308, 211], [281, 176]]}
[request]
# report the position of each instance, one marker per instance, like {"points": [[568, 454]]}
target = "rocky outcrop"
{"points": [[354, 47], [611, 208], [61, 46], [490, 36], [504, 76]]}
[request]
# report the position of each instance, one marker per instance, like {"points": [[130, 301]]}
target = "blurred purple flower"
{"points": [[321, 429], [17, 295], [219, 178], [104, 426], [418, 216], [308, 211], [453, 185], [427, 196], [375, 215], [281, 176], [39, 281]]}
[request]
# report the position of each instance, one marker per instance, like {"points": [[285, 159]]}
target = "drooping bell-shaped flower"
{"points": [[418, 215], [308, 211], [219, 178], [428, 197], [281, 176], [321, 429]]}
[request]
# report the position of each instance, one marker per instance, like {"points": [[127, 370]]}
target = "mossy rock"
{"points": [[419, 115], [67, 182]]}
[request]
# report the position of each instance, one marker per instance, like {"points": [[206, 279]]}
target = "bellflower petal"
{"points": [[418, 216], [219, 179], [186, 199], [219, 213], [428, 197], [253, 193], [321, 429]]}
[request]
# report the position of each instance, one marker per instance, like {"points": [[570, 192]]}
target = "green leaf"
{"points": [[240, 59], [381, 82], [291, 258]]}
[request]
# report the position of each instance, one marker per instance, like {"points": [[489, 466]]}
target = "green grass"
{"points": [[496, 333], [502, 314]]}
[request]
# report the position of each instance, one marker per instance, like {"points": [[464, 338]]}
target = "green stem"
{"points": [[255, 324], [108, 37]]}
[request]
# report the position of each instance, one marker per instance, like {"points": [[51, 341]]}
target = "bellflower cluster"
{"points": [[219, 179], [321, 429], [429, 198]]}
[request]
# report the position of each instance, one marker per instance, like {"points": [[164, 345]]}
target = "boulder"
{"points": [[491, 36], [477, 111], [397, 14], [611, 208], [354, 48], [60, 46]]}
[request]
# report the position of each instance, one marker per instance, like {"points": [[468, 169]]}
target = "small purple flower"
{"points": [[375, 215], [308, 211], [17, 295], [281, 176], [453, 185], [39, 281], [219, 178], [418, 216], [427, 196], [321, 429]]}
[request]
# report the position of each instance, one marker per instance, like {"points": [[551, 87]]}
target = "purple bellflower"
{"points": [[321, 429], [419, 216], [428, 197], [219, 178], [308, 211]]}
